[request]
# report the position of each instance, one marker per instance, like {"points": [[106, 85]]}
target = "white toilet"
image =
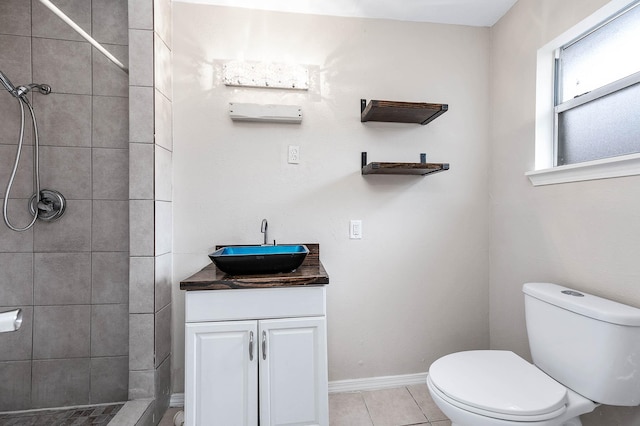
{"points": [[586, 352]]}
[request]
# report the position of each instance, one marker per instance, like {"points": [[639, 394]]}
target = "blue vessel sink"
{"points": [[243, 260]]}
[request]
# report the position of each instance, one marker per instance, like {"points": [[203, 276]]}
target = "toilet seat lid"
{"points": [[498, 382]]}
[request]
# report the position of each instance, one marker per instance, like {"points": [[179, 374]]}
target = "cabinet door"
{"points": [[293, 372], [221, 373]]}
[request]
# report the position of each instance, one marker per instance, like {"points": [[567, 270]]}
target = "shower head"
{"points": [[21, 91], [7, 84]]}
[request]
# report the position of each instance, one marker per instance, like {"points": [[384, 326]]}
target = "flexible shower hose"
{"points": [[36, 172]]}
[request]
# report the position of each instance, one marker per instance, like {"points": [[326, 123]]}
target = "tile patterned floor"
{"points": [[100, 415], [409, 405]]}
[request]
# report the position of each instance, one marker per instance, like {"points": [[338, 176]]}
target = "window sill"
{"points": [[624, 165]]}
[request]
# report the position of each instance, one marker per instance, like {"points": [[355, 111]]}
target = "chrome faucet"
{"points": [[263, 229]]}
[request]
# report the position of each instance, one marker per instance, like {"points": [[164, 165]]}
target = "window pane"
{"points": [[606, 55], [605, 127]]}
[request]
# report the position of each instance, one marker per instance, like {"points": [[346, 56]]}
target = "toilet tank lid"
{"points": [[584, 304]]}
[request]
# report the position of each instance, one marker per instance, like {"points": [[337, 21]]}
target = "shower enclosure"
{"points": [[88, 281]]}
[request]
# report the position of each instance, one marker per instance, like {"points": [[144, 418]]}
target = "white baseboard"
{"points": [[373, 383], [177, 400], [350, 385]]}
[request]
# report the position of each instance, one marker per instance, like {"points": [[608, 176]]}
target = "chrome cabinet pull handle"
{"points": [[264, 345], [251, 346]]}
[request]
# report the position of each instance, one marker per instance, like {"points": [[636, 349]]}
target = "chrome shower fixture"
{"points": [[50, 206], [46, 205], [21, 91], [7, 84]]}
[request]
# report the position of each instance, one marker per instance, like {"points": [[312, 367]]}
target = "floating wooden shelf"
{"points": [[400, 112], [421, 169]]}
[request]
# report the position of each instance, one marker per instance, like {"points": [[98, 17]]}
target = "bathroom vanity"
{"points": [[256, 350]]}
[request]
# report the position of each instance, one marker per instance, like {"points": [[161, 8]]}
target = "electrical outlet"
{"points": [[294, 154], [355, 229]]}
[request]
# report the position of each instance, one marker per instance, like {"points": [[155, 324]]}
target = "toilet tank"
{"points": [[589, 344]]}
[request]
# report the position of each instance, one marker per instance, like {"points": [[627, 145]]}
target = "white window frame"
{"points": [[545, 172]]}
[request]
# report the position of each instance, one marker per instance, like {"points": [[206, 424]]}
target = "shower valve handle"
{"points": [[46, 207]]}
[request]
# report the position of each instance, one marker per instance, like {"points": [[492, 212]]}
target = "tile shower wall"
{"points": [[71, 276], [150, 192]]}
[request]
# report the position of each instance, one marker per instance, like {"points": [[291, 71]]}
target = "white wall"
{"points": [[584, 235], [416, 286]]}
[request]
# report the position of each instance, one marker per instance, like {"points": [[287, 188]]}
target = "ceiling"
{"points": [[481, 13]]}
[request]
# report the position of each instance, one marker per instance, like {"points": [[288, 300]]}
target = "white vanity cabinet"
{"points": [[256, 356]]}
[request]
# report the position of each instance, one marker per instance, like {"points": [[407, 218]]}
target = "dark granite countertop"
{"points": [[311, 272]]}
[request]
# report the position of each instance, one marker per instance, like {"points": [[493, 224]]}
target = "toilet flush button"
{"points": [[572, 293]]}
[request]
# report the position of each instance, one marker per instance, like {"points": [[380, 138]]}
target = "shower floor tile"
{"points": [[100, 415]]}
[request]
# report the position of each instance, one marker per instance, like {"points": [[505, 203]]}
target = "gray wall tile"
{"points": [[110, 275], [109, 21], [163, 387], [110, 228], [163, 280], [15, 57], [141, 171], [163, 174], [141, 58], [19, 215], [23, 186], [164, 227], [163, 121], [16, 345], [15, 385], [141, 285], [142, 228], [141, 109], [108, 78], [16, 279], [13, 15], [109, 377], [62, 278], [162, 67], [70, 233], [110, 174], [163, 334], [141, 384], [11, 116], [61, 331], [67, 170], [60, 382], [141, 345], [46, 24], [162, 18], [141, 14], [109, 330], [64, 65], [110, 122], [64, 120]]}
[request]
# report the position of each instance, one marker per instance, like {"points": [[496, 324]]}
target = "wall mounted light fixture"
{"points": [[269, 75], [265, 113]]}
